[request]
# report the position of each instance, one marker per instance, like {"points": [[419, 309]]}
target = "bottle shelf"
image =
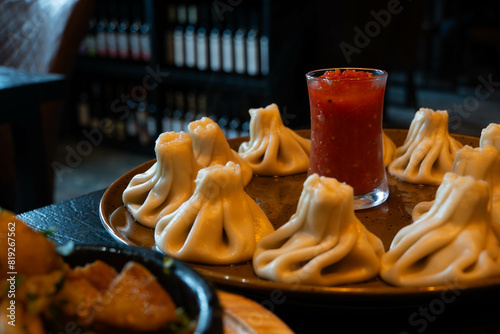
{"points": [[180, 61], [111, 67]]}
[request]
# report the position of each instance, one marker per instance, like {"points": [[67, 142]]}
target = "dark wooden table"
{"points": [[21, 94], [78, 220]]}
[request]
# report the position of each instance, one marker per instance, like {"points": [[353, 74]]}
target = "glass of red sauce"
{"points": [[346, 130]]}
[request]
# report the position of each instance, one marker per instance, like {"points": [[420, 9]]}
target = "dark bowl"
{"points": [[188, 289]]}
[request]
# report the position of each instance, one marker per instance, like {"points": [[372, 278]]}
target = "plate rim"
{"points": [[304, 291]]}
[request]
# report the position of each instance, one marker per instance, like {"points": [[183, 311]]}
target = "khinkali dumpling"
{"points": [[490, 136], [323, 243], [219, 224], [211, 147], [165, 185], [274, 149], [482, 163], [452, 242], [388, 148], [428, 151]]}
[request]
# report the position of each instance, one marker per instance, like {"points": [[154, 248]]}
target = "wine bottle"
{"points": [[131, 122], [169, 34], [121, 131], [134, 30], [234, 128], [190, 114], [142, 117], [111, 38], [145, 42], [240, 46], [252, 44], [190, 36], [83, 110], [122, 32], [179, 56], [168, 111], [264, 55], [101, 31], [88, 46], [152, 123], [177, 119], [96, 104], [201, 100], [215, 50], [202, 40], [228, 46]]}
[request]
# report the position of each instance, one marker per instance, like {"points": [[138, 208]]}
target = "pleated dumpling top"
{"points": [[452, 242], [211, 147], [274, 149], [490, 136], [323, 243], [165, 185], [482, 163], [218, 224], [428, 151]]}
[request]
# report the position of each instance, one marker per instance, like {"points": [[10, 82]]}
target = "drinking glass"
{"points": [[346, 131]]}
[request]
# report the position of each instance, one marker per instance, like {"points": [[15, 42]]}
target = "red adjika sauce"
{"points": [[346, 128]]}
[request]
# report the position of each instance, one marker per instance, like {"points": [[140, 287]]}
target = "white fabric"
{"points": [[428, 151], [211, 147], [323, 243], [452, 242], [218, 224], [165, 185], [274, 149]]}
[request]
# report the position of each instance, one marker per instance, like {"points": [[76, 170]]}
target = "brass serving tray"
{"points": [[278, 198]]}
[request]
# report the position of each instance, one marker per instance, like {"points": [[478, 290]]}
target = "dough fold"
{"points": [[165, 185], [274, 149], [451, 243], [218, 224], [428, 151], [323, 243], [211, 147], [482, 163]]}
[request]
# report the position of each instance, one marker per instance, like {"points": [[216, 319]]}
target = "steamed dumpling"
{"points": [[219, 224], [323, 243], [490, 136], [452, 242], [482, 163], [274, 149], [389, 148], [428, 151], [211, 147], [167, 184]]}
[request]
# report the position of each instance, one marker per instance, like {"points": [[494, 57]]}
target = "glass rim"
{"points": [[380, 74]]}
